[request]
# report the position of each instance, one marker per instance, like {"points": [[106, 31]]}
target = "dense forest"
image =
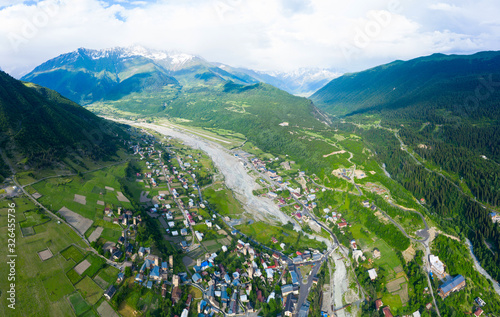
{"points": [[453, 208], [45, 127]]}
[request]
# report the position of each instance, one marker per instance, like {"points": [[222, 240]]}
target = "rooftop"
{"points": [[451, 284]]}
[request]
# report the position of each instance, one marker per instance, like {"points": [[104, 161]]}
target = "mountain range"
{"points": [[86, 76]]}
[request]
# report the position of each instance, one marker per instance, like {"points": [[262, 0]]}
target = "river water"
{"points": [[236, 177], [496, 286], [235, 174]]}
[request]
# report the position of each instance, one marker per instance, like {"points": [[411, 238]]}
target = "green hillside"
{"points": [[436, 81], [434, 122], [43, 127], [255, 111], [446, 109]]}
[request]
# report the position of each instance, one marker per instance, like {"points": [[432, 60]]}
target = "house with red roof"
{"points": [[387, 312]]}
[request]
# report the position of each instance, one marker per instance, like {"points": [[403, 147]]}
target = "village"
{"points": [[210, 266], [232, 273]]}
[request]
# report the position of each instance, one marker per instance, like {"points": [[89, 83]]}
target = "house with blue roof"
{"points": [[183, 276], [203, 303], [150, 284], [224, 296], [146, 265], [120, 277], [129, 249], [141, 251], [450, 286], [196, 278], [164, 266], [227, 279], [286, 289], [155, 273], [138, 278], [295, 278]]}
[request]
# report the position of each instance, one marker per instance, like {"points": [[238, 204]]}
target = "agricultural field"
{"points": [[33, 218], [89, 290], [108, 274], [79, 305], [73, 253], [46, 280], [223, 201], [60, 192]]}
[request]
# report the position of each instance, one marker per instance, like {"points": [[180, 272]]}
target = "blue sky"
{"points": [[259, 34]]}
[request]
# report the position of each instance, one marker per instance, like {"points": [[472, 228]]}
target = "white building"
{"points": [[199, 235], [436, 265]]}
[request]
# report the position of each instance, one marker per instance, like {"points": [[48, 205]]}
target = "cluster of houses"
{"points": [[450, 284], [124, 217], [343, 173], [258, 266], [366, 204], [306, 256], [129, 223], [333, 216], [153, 270]]}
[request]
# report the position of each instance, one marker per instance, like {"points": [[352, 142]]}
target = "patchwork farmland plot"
{"points": [[81, 224], [45, 254]]}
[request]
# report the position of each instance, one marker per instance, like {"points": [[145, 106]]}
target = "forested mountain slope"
{"points": [[43, 127], [446, 112]]}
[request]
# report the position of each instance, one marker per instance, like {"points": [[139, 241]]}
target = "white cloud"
{"points": [[444, 7], [266, 35]]}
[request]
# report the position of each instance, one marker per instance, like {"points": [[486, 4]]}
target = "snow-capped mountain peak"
{"points": [[172, 57]]}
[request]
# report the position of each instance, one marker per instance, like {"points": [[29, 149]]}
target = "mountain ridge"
{"points": [[100, 70], [399, 84], [43, 127]]}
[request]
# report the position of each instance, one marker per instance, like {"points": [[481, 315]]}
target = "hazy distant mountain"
{"points": [[301, 82]]}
